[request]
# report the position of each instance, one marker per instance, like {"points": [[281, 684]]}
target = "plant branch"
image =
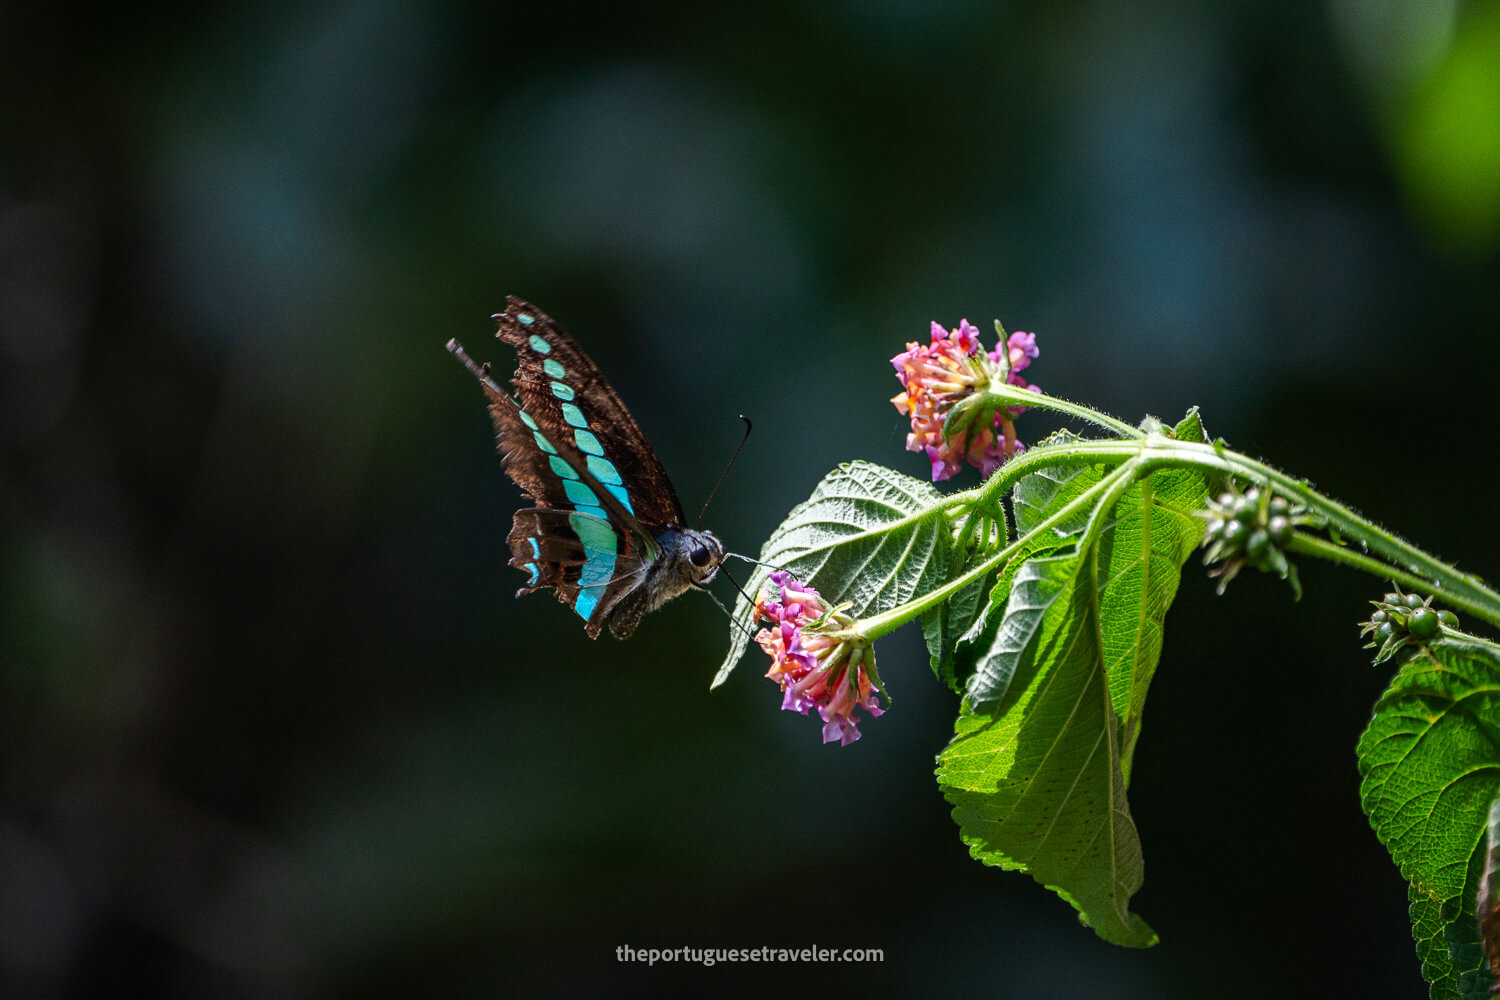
{"points": [[878, 625]]}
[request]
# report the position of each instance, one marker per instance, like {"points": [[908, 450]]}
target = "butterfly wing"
{"points": [[590, 565], [602, 495], [562, 390]]}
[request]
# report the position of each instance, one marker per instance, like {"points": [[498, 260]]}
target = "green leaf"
{"points": [[1447, 939], [1190, 428], [1149, 534], [1487, 899], [974, 643], [1039, 495], [946, 624], [1140, 566], [1430, 763], [1037, 785], [1034, 499], [867, 534], [1039, 766]]}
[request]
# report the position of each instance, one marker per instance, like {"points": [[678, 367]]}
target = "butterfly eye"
{"points": [[699, 556]]}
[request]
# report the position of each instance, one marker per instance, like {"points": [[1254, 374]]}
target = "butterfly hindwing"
{"points": [[561, 389], [588, 562]]}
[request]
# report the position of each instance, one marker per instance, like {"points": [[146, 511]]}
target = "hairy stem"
{"points": [[887, 621]]}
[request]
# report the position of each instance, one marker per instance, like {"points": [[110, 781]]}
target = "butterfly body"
{"points": [[606, 532]]}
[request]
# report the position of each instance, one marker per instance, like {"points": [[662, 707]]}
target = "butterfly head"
{"points": [[703, 553]]}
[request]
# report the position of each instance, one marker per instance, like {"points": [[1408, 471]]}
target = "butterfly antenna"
{"points": [[481, 372], [748, 428], [757, 562]]}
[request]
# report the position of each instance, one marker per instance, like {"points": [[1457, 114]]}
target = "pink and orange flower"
{"points": [[937, 377], [816, 667]]}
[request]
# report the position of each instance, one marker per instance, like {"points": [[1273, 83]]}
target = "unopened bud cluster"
{"points": [[1399, 619], [1246, 529]]}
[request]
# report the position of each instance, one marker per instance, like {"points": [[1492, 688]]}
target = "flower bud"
{"points": [[1244, 531], [1402, 619]]}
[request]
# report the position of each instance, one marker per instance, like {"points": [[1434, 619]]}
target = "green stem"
{"points": [[878, 625], [1141, 453], [1453, 637], [1403, 561], [1321, 548], [1004, 394], [1442, 580], [1045, 457]]}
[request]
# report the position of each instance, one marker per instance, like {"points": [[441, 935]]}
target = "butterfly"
{"points": [[607, 532]]}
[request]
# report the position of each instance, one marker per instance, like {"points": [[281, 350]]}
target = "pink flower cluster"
{"points": [[815, 669], [937, 377]]}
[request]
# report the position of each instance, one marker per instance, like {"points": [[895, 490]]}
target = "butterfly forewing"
{"points": [[560, 388]]}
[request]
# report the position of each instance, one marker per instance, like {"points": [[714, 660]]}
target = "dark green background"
{"points": [[270, 721]]}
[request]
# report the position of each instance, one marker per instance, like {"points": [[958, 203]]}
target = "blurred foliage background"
{"points": [[270, 721]]}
